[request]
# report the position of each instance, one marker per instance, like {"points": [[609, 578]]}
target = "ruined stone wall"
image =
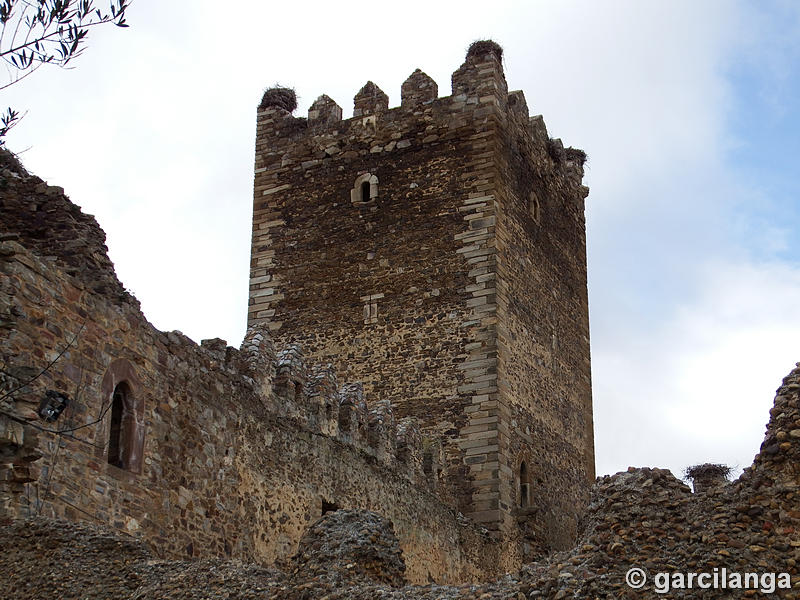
{"points": [[648, 519], [179, 496], [228, 452], [743, 537], [290, 479]]}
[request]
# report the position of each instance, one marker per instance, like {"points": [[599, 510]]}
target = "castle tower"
{"points": [[436, 252]]}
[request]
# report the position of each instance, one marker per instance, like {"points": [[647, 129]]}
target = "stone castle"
{"points": [[432, 254], [417, 347]]}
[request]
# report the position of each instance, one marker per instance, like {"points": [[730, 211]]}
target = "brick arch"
{"points": [[121, 375]]}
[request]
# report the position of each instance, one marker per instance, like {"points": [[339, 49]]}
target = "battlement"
{"points": [[479, 90], [311, 397]]}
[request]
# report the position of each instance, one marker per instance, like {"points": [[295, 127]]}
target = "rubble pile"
{"points": [[350, 545]]}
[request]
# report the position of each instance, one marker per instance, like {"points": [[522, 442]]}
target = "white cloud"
{"points": [[698, 387]]}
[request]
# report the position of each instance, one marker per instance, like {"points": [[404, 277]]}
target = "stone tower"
{"points": [[436, 252]]}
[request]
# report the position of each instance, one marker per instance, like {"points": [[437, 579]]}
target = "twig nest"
{"points": [[281, 97]]}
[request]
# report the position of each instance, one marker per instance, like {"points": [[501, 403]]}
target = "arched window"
{"points": [[121, 433], [524, 486], [119, 443], [365, 189]]}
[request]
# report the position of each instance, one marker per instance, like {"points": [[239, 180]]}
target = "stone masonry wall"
{"points": [[232, 452], [375, 246], [377, 287], [543, 331]]}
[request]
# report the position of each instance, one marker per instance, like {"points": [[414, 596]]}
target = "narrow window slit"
{"points": [[524, 486], [117, 439], [365, 191]]}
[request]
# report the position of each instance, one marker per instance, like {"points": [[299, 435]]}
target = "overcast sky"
{"points": [[687, 110]]}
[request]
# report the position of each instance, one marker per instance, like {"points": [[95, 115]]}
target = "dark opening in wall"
{"points": [[524, 486], [365, 189], [118, 438], [329, 507], [427, 462]]}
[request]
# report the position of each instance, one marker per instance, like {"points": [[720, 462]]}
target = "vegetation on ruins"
{"points": [[41, 32]]}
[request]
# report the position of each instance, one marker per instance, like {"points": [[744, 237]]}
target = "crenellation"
{"points": [[218, 455], [433, 463], [324, 399], [538, 131], [481, 79], [418, 90], [518, 107], [291, 383], [216, 347], [382, 431], [259, 358], [324, 112], [433, 255], [409, 446], [353, 415], [433, 252], [274, 123], [370, 100]]}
